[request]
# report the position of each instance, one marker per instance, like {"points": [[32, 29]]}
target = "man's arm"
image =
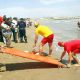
{"points": [[35, 40], [62, 55]]}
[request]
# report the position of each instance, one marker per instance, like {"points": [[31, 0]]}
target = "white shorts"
{"points": [[78, 57]]}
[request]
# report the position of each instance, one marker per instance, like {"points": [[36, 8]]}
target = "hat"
{"points": [[36, 23], [59, 43]]}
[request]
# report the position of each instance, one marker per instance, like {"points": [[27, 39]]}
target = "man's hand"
{"points": [[7, 28], [60, 60], [34, 49]]}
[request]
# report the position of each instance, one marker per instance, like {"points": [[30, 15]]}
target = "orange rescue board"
{"points": [[30, 55]]}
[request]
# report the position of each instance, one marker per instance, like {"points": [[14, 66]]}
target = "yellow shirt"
{"points": [[43, 31]]}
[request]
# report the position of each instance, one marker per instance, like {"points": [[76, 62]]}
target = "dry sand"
{"points": [[18, 68]]}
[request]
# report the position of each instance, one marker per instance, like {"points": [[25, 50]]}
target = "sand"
{"points": [[18, 68]]}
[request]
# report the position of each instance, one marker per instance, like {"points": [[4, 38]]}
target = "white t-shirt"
{"points": [[14, 23]]}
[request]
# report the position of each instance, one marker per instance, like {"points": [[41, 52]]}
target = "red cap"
{"points": [[59, 43]]}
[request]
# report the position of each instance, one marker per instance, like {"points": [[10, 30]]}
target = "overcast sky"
{"points": [[40, 8]]}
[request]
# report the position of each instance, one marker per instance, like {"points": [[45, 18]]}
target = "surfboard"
{"points": [[32, 56]]}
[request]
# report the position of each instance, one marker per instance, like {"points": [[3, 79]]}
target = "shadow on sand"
{"points": [[28, 65]]}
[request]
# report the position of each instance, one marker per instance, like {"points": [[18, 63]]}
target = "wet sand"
{"points": [[18, 68]]}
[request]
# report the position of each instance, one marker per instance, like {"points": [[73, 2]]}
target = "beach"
{"points": [[18, 68]]}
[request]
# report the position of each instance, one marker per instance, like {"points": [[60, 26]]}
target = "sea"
{"points": [[64, 30]]}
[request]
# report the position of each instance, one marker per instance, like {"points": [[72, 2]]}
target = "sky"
{"points": [[40, 8]]}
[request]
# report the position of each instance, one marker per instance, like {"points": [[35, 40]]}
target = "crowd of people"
{"points": [[13, 27]]}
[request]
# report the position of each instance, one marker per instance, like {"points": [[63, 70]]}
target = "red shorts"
{"points": [[76, 51], [48, 39]]}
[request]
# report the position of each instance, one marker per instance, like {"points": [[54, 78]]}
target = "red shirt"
{"points": [[1, 20], [72, 45]]}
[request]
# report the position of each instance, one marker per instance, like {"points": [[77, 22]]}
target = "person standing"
{"points": [[78, 24], [6, 32], [22, 30], [14, 29], [1, 37]]}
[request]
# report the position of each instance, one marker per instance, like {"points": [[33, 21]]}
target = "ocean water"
{"points": [[64, 30]]}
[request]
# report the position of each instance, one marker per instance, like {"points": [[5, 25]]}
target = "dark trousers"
{"points": [[1, 36], [22, 34], [14, 35]]}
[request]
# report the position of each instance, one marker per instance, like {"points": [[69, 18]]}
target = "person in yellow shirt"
{"points": [[47, 37]]}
